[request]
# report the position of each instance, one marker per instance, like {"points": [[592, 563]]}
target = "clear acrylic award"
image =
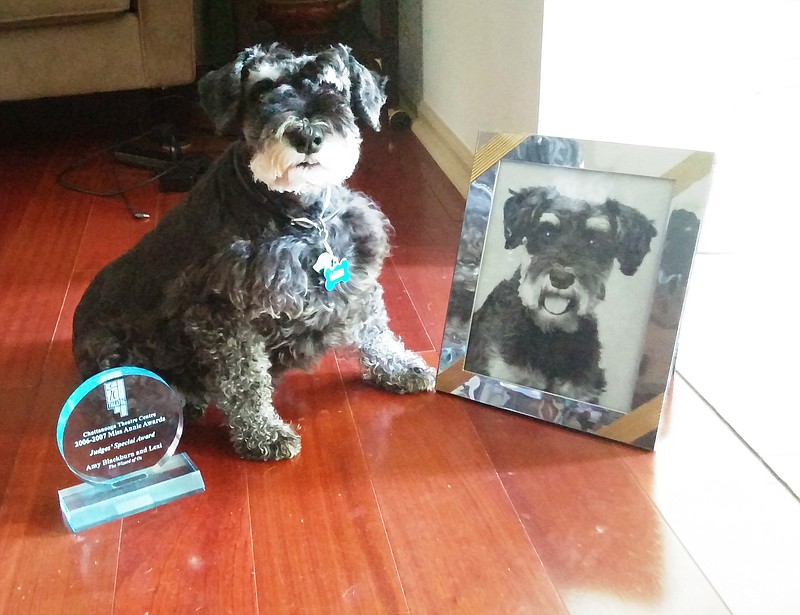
{"points": [[118, 433]]}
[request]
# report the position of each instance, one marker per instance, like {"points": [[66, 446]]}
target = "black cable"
{"points": [[164, 133], [82, 162], [136, 214]]}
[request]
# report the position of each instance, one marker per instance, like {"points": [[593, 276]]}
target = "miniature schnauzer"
{"points": [[268, 262], [538, 328]]}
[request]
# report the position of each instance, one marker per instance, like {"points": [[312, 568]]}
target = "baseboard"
{"points": [[446, 149]]}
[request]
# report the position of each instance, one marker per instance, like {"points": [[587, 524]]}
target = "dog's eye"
{"points": [[260, 88], [597, 241], [547, 232]]}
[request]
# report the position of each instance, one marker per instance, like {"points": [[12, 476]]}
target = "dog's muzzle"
{"points": [[305, 139], [559, 296], [557, 304]]}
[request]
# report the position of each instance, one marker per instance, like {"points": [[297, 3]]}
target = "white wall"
{"points": [[713, 75], [481, 66]]}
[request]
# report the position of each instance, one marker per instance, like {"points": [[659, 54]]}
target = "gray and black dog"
{"points": [[268, 262], [538, 328]]}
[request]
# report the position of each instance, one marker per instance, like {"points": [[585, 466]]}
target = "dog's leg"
{"points": [[244, 394], [257, 432], [236, 374], [385, 361]]}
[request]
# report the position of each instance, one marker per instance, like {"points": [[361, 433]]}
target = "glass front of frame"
{"points": [[570, 280]]}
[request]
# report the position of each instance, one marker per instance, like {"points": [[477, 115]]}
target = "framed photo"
{"points": [[570, 280]]}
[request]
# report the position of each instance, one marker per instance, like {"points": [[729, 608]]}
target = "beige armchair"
{"points": [[61, 47]]}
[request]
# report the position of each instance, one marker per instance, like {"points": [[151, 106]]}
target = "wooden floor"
{"points": [[397, 504]]}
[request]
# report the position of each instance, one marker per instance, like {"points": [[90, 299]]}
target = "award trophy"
{"points": [[118, 432]]}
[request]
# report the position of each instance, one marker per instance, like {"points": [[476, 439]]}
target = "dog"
{"points": [[268, 262], [538, 328]]}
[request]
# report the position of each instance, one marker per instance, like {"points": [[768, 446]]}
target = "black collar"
{"points": [[286, 205], [249, 185]]}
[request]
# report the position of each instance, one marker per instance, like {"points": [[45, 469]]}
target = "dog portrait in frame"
{"points": [[570, 279]]}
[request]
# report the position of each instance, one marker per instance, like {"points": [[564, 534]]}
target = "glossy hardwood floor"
{"points": [[397, 504]]}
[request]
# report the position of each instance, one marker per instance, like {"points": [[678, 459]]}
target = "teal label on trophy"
{"points": [[117, 423]]}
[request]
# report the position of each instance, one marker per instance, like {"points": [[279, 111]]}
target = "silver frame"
{"points": [[690, 175]]}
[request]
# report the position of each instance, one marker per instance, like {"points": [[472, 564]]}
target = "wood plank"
{"points": [[738, 522], [59, 366], [34, 275], [457, 540], [426, 217], [403, 317], [398, 159], [398, 174], [21, 170], [15, 405], [601, 539], [318, 536], [428, 286]]}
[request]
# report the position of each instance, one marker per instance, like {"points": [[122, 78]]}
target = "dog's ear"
{"points": [[634, 234], [221, 90], [367, 90], [520, 209]]}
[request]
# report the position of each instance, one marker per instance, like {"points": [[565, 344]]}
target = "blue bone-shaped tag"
{"points": [[336, 274]]}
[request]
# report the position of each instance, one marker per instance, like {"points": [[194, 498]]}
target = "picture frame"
{"points": [[570, 280]]}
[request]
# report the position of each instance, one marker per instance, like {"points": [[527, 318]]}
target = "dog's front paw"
{"points": [[405, 373], [418, 379], [267, 444]]}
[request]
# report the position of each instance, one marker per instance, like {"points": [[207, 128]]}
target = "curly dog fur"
{"points": [[223, 295]]}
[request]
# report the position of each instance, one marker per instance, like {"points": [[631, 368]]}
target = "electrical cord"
{"points": [[62, 180], [137, 215], [164, 133]]}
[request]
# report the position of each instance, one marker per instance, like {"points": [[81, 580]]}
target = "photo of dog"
{"points": [[269, 261], [538, 328]]}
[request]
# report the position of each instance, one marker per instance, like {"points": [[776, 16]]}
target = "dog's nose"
{"points": [[561, 278], [306, 139]]}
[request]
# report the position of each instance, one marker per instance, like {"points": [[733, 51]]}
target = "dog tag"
{"points": [[336, 274], [325, 261]]}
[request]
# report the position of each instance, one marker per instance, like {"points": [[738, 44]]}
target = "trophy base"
{"points": [[87, 505]]}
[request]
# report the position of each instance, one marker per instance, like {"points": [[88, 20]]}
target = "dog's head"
{"points": [[297, 112], [571, 246]]}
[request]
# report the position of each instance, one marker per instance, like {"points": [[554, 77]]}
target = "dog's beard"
{"points": [[283, 169], [553, 308]]}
